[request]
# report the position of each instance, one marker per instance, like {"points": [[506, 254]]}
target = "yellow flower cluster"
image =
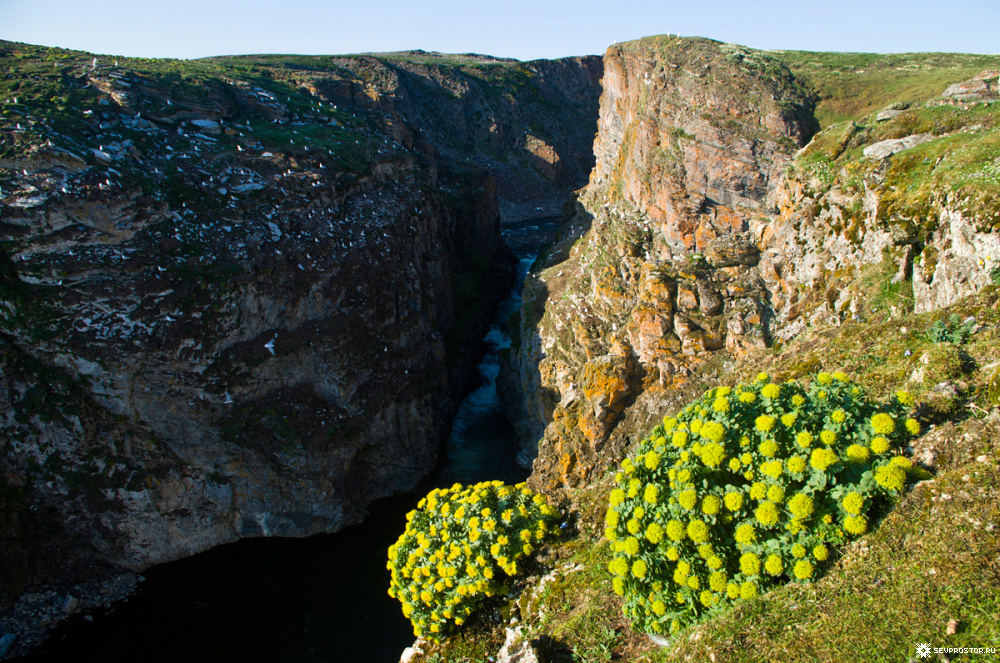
{"points": [[460, 545], [770, 391], [748, 487], [882, 423]]}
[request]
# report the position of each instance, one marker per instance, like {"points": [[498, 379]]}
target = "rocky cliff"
{"points": [[721, 218], [241, 296], [530, 125], [692, 131], [656, 273]]}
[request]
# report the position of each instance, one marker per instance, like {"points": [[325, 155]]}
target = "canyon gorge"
{"points": [[236, 311], [243, 296]]}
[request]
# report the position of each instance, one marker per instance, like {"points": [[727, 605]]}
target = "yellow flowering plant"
{"points": [[747, 488], [461, 545]]}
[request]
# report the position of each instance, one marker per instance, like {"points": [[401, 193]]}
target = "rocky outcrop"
{"points": [[622, 335], [710, 228], [984, 86], [886, 148], [244, 302], [658, 271], [693, 132], [955, 264]]}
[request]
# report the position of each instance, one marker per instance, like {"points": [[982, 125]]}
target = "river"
{"points": [[322, 598]]}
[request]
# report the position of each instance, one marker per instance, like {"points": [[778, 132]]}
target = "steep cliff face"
{"points": [[241, 296], [656, 272], [693, 133], [530, 125], [709, 229]]}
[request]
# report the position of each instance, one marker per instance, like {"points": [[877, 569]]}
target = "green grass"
{"points": [[879, 292], [580, 617], [854, 85], [931, 561], [962, 165], [959, 164]]}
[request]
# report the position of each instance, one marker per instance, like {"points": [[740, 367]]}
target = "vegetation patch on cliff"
{"points": [[853, 85], [952, 162]]}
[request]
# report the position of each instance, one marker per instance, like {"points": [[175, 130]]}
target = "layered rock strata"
{"points": [[241, 296], [657, 272], [709, 228]]}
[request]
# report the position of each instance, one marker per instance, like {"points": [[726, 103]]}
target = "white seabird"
{"points": [[269, 346]]}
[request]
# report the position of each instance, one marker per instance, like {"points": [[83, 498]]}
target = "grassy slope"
{"points": [[961, 161], [853, 85], [45, 89], [959, 164], [47, 85]]}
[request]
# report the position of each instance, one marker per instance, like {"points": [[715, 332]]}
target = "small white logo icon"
{"points": [[923, 650]]}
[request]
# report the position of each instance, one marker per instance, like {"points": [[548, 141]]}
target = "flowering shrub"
{"points": [[748, 488], [460, 545]]}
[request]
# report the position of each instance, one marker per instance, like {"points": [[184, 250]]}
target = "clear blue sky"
{"points": [[522, 29]]}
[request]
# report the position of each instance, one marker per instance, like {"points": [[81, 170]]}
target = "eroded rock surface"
{"points": [[659, 271], [717, 221], [244, 301]]}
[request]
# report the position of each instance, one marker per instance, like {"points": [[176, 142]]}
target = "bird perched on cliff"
{"points": [[229, 399], [269, 346]]}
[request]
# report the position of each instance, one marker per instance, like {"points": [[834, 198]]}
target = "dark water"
{"points": [[482, 444], [317, 599]]}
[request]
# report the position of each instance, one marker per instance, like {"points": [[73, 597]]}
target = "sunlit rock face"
{"points": [[659, 271], [719, 220], [694, 134]]}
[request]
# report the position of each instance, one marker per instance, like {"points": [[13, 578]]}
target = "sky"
{"points": [[522, 29]]}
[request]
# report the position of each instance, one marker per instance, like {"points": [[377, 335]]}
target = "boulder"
{"points": [[605, 382], [887, 114], [886, 148], [515, 649], [208, 126], [46, 157], [981, 87], [694, 339], [711, 301], [71, 605], [6, 642], [411, 651], [687, 298]]}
